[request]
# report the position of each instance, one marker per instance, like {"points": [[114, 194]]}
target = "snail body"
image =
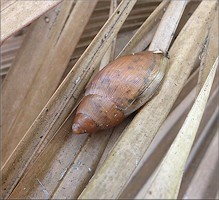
{"points": [[119, 89]]}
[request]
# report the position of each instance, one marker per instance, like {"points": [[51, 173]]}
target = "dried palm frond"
{"points": [[45, 68]]}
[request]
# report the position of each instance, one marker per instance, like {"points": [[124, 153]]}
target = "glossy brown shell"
{"points": [[115, 89]]}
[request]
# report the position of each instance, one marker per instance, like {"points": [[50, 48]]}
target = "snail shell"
{"points": [[119, 89]]}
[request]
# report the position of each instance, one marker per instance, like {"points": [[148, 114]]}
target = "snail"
{"points": [[118, 90]]}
